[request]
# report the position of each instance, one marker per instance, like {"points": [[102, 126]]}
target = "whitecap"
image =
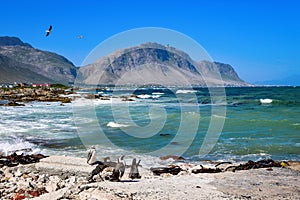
{"points": [[116, 125], [265, 100], [185, 91], [155, 96], [158, 93], [144, 96]]}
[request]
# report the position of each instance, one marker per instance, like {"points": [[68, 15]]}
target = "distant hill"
{"points": [[152, 63], [291, 80], [20, 62]]}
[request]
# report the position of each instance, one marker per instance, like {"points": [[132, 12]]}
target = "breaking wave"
{"points": [[116, 125]]}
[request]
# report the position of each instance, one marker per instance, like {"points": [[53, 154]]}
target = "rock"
{"points": [[51, 187], [15, 159], [176, 158], [7, 173], [266, 163], [161, 170], [65, 165], [82, 180], [65, 100], [107, 173], [2, 186], [43, 178], [12, 103], [88, 186], [53, 195], [164, 134], [72, 179], [18, 173], [206, 170], [294, 165], [63, 184], [55, 179]]}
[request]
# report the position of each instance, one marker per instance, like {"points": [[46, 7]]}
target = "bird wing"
{"points": [[48, 31]]}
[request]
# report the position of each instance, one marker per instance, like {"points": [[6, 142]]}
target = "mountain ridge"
{"points": [[154, 63], [12, 41], [148, 63], [45, 66]]}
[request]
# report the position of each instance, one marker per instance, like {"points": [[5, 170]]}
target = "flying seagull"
{"points": [[80, 36], [49, 31]]}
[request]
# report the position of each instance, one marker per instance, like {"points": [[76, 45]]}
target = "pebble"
{"points": [[18, 173], [51, 187]]}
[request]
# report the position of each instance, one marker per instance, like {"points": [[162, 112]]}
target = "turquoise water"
{"points": [[162, 121]]}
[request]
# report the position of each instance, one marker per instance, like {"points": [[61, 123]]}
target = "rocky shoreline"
{"points": [[62, 177], [19, 96], [16, 97]]}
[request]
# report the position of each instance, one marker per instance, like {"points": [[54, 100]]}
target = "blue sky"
{"points": [[260, 39]]}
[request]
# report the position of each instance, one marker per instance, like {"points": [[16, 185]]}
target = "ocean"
{"points": [[199, 124]]}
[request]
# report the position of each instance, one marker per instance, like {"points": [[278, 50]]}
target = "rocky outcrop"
{"points": [[12, 97]]}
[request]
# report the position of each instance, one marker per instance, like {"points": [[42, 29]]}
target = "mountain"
{"points": [[14, 71], [12, 41], [147, 64], [20, 62], [152, 63]]}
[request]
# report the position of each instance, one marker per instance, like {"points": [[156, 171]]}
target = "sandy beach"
{"points": [[61, 177]]}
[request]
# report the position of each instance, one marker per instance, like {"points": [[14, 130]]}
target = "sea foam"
{"points": [[9, 147], [116, 125], [185, 91], [266, 100]]}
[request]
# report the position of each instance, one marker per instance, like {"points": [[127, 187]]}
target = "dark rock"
{"points": [[15, 159], [161, 170], [12, 103], [206, 170], [266, 163], [176, 158], [164, 134]]}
